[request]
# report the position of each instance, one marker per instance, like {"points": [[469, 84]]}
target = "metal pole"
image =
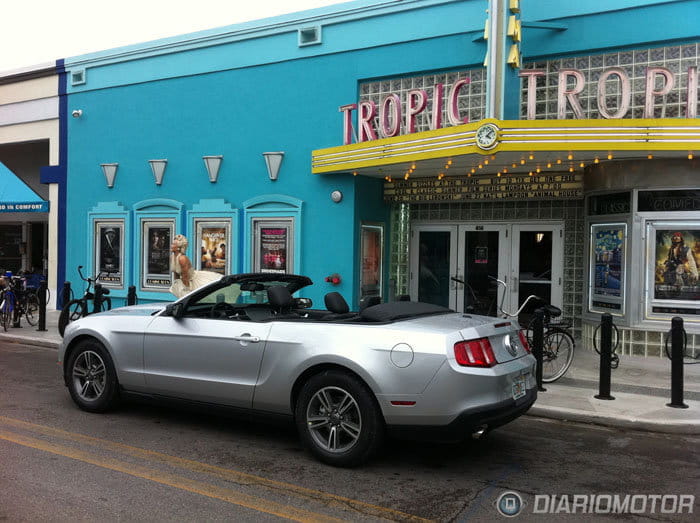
{"points": [[677, 343], [41, 295], [606, 327], [65, 295], [131, 295], [97, 300], [538, 345]]}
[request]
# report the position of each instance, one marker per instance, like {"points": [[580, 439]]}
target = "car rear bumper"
{"points": [[486, 417]]}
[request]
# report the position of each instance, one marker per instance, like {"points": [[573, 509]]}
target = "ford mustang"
{"points": [[346, 378]]}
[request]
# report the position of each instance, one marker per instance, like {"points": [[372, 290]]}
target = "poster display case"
{"points": [[608, 246], [212, 245], [371, 259], [673, 258], [273, 245], [156, 238], [109, 252]]}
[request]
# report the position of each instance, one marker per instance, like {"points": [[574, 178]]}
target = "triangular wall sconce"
{"points": [[110, 171], [158, 168], [213, 163], [273, 161]]}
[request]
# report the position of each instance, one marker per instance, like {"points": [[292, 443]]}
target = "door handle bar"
{"points": [[251, 339]]}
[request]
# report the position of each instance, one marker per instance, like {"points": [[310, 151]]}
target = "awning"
{"points": [[497, 147], [17, 196]]}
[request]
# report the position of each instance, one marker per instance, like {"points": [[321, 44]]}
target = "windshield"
{"points": [[246, 292]]}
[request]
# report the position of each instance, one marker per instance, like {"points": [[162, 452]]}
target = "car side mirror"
{"points": [[303, 303], [176, 310]]}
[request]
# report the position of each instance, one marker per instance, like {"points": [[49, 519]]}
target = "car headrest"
{"points": [[279, 297], [370, 301], [336, 303]]}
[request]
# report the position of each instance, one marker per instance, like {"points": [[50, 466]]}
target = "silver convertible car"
{"points": [[345, 378]]}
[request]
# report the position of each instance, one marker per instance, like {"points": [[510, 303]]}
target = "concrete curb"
{"points": [[690, 427], [28, 340]]}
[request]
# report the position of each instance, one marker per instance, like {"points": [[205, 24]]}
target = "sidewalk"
{"points": [[641, 388]]}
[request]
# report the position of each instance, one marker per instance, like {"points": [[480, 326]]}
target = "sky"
{"points": [[41, 31]]}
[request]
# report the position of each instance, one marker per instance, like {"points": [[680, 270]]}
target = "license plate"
{"points": [[519, 387]]}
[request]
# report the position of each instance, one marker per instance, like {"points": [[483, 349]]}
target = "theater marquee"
{"points": [[565, 186]]}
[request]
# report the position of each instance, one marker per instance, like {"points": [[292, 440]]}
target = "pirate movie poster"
{"points": [[677, 255], [157, 239], [109, 253], [213, 244]]}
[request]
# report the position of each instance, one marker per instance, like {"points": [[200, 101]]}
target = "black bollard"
{"points": [[677, 347], [538, 345], [65, 295], [41, 295], [606, 328], [97, 300], [131, 295]]}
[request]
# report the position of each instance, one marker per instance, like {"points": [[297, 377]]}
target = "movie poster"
{"points": [[371, 242], [157, 240], [213, 245], [677, 256], [273, 249], [109, 253], [608, 262]]}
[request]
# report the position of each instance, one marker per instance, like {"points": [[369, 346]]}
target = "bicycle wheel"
{"points": [[5, 313], [31, 309], [71, 312], [557, 355]]}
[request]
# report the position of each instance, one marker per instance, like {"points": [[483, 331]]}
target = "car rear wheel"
{"points": [[338, 419], [92, 380]]}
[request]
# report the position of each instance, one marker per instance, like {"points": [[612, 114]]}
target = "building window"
{"points": [[11, 247]]}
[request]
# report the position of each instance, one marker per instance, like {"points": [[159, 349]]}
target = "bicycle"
{"points": [[558, 343], [7, 307], [79, 308], [16, 302]]}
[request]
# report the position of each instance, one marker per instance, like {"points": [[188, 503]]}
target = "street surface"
{"points": [[152, 463]]}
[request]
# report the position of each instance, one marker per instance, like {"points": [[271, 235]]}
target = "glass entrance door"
{"points": [[483, 256], [528, 257], [537, 264]]}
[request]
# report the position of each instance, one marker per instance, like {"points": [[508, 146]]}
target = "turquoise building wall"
{"points": [[243, 90]]}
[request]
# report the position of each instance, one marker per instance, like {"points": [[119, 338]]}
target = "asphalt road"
{"points": [[149, 463]]}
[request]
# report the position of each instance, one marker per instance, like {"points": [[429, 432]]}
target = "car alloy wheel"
{"points": [[91, 378], [338, 418], [89, 375], [334, 419]]}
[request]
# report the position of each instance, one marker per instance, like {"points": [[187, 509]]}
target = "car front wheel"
{"points": [[92, 380], [338, 419]]}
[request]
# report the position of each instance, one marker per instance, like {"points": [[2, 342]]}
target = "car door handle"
{"points": [[248, 338]]}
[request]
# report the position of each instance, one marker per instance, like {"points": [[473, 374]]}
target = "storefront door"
{"points": [[528, 257]]}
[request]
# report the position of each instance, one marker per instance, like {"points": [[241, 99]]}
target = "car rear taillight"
{"points": [[475, 353], [523, 340]]}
